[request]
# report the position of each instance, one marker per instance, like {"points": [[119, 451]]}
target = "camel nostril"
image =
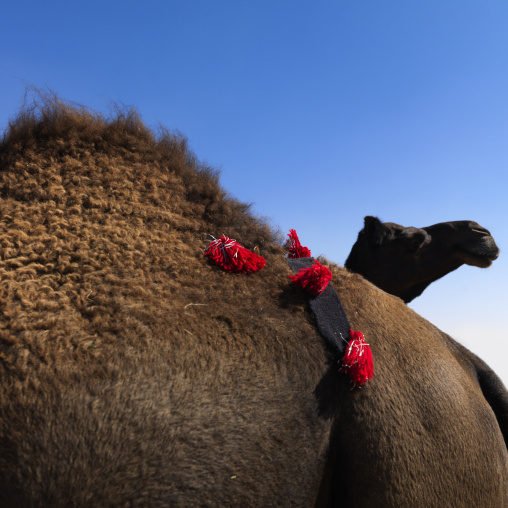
{"points": [[481, 231]]}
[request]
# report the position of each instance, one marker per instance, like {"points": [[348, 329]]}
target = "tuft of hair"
{"points": [[119, 157]]}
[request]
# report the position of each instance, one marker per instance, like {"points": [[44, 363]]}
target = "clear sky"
{"points": [[318, 112]]}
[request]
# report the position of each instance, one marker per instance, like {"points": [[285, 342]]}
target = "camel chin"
{"points": [[479, 262]]}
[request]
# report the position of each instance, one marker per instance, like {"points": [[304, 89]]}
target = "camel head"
{"points": [[404, 261]]}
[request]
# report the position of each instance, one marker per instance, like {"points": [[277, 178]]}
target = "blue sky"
{"points": [[318, 113]]}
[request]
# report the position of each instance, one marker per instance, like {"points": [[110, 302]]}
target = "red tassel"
{"points": [[313, 279], [234, 258], [295, 247], [357, 361]]}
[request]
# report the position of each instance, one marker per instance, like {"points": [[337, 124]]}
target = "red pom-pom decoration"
{"points": [[232, 257], [357, 361], [313, 279], [296, 250]]}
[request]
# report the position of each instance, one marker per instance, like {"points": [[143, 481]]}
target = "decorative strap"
{"points": [[331, 318]]}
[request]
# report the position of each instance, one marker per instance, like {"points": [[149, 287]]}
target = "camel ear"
{"points": [[416, 241], [375, 231]]}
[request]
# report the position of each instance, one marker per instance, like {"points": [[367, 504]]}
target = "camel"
{"points": [[404, 261], [135, 372]]}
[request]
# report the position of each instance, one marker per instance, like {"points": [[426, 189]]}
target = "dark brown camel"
{"points": [[135, 373], [403, 261]]}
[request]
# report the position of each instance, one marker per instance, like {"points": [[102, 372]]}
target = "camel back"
{"points": [[135, 373]]}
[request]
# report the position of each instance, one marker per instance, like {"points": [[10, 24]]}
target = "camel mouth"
{"points": [[482, 253]]}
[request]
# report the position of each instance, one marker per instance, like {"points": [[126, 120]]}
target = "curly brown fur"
{"points": [[134, 373]]}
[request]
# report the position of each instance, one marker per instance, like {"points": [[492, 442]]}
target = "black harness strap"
{"points": [[331, 318]]}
